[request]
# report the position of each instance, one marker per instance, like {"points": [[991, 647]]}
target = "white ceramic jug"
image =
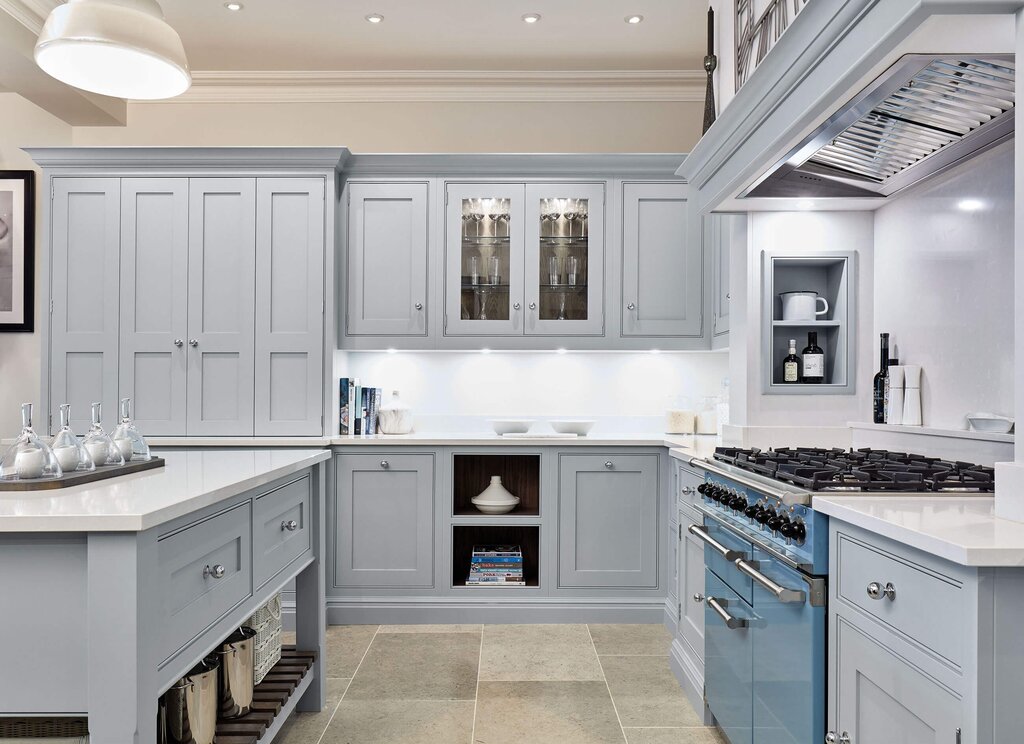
{"points": [[802, 305]]}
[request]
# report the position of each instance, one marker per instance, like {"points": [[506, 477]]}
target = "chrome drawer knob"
{"points": [[178, 342], [631, 306], [877, 591], [609, 464], [831, 738], [418, 305], [516, 306], [385, 464], [216, 572], [687, 490], [533, 305], [698, 597], [291, 525], [193, 342]]}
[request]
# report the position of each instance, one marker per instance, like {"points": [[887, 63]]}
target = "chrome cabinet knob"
{"points": [[877, 591], [385, 464], [418, 305], [728, 295], [193, 342], [698, 597], [832, 738], [687, 490], [533, 305], [631, 306], [291, 525], [516, 306], [609, 464], [178, 342], [216, 572]]}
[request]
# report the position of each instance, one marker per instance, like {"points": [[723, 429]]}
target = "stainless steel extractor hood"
{"points": [[923, 115]]}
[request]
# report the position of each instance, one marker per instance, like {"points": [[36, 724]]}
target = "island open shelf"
{"points": [[464, 537], [471, 474]]}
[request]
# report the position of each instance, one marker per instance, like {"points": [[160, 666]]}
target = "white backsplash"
{"points": [[458, 391]]}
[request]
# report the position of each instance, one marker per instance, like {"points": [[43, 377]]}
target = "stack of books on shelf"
{"points": [[359, 408], [496, 565]]}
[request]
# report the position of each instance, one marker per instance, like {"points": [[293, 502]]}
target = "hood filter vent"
{"points": [[922, 116]]}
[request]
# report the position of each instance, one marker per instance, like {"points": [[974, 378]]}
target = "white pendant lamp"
{"points": [[121, 48]]}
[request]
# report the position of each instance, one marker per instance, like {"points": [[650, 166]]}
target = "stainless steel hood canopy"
{"points": [[924, 114]]}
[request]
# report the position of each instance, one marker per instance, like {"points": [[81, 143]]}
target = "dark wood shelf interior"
{"points": [[464, 537], [520, 474]]}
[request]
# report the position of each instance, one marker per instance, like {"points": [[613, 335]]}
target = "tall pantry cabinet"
{"points": [[194, 282]]}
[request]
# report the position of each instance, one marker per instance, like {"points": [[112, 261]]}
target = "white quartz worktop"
{"points": [[190, 480], [961, 529], [493, 440]]}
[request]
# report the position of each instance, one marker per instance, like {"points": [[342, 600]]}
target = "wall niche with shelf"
{"points": [[832, 275], [520, 475], [466, 536]]}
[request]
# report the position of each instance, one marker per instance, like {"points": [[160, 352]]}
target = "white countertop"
{"points": [[961, 529], [477, 439], [191, 480]]}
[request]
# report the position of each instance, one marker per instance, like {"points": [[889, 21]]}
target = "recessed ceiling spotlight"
{"points": [[375, 18], [633, 20], [233, 6], [531, 17], [971, 205], [805, 204]]}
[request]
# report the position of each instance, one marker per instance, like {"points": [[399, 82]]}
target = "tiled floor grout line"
{"points": [[608, 687], [476, 696], [348, 686]]}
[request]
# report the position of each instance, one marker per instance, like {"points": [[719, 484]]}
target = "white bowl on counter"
{"points": [[579, 427], [990, 423], [511, 426]]}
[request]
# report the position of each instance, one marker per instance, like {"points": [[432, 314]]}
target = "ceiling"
{"points": [[440, 34]]}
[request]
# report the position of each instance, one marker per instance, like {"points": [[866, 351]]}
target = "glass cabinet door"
{"points": [[565, 259], [484, 281]]}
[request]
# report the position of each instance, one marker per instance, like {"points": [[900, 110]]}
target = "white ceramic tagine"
{"points": [[495, 499]]}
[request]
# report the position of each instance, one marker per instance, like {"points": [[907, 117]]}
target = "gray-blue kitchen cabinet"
{"points": [[662, 263], [154, 300], [384, 513], [387, 269], [608, 521], [84, 278]]}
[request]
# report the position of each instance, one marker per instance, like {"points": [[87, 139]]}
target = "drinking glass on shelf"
{"points": [[584, 214], [474, 270], [552, 216], [554, 275], [494, 276], [571, 212], [572, 269], [476, 214], [504, 217]]}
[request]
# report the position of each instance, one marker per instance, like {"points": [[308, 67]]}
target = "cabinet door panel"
{"points": [[385, 524], [154, 285], [289, 313], [388, 238], [661, 262], [484, 224], [881, 698], [85, 288], [221, 305], [565, 259], [608, 521], [691, 589]]}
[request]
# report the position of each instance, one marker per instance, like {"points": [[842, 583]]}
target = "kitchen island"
{"points": [[121, 586]]}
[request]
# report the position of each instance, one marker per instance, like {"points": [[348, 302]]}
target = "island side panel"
{"points": [[311, 599]]}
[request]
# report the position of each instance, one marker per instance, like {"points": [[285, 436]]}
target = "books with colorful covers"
{"points": [[344, 394], [496, 565]]}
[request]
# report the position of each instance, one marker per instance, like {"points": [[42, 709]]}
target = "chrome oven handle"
{"points": [[781, 593], [699, 532], [732, 623]]}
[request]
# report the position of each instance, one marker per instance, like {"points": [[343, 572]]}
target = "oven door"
{"points": [[788, 653], [728, 673], [722, 547]]}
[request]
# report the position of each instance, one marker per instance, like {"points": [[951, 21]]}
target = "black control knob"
{"points": [[739, 504], [752, 511], [776, 522], [702, 488], [766, 515], [799, 532], [717, 492], [787, 528]]}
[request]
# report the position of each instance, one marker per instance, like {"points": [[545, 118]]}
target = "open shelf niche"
{"points": [[831, 274], [465, 536], [520, 475]]}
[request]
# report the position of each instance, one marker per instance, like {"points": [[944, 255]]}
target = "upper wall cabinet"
{"points": [[662, 269], [199, 296], [388, 239]]}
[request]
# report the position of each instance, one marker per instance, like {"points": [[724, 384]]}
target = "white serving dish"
{"points": [[511, 426], [991, 423], [580, 427]]}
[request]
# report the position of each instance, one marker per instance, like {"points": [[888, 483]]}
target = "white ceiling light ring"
{"points": [[121, 48]]}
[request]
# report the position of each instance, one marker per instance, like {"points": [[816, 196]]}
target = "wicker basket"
{"points": [[266, 621]]}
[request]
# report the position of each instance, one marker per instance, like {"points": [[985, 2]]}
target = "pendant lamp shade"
{"points": [[121, 48]]}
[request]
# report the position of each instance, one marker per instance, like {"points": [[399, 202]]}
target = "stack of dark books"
{"points": [[496, 565]]}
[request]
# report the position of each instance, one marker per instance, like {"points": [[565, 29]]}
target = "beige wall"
{"points": [[23, 124], [413, 127]]}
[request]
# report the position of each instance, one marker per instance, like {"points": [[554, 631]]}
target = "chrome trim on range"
{"points": [[765, 486], [755, 538], [781, 593], [719, 605], [699, 532]]}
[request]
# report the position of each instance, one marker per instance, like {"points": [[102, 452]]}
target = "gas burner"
{"points": [[834, 469]]}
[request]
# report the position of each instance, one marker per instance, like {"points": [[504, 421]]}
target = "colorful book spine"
{"points": [[496, 559], [356, 408], [343, 406]]}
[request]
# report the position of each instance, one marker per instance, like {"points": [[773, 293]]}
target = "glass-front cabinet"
{"points": [[524, 259]]}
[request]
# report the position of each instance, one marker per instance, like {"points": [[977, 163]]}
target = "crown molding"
{"points": [[29, 13], [359, 86]]}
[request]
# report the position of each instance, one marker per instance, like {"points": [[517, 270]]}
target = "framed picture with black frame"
{"points": [[17, 250]]}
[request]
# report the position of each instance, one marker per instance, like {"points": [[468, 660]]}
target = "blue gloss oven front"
{"points": [[728, 661]]}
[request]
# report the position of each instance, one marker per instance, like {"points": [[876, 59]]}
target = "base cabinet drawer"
{"points": [[204, 571], [921, 604], [281, 528]]}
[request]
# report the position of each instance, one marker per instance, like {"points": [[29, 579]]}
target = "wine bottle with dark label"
{"points": [[814, 361], [878, 398], [791, 365]]}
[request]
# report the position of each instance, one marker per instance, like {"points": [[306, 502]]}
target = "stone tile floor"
{"points": [[499, 684]]}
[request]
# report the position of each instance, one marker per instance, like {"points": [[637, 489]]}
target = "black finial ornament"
{"points": [[710, 65]]}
